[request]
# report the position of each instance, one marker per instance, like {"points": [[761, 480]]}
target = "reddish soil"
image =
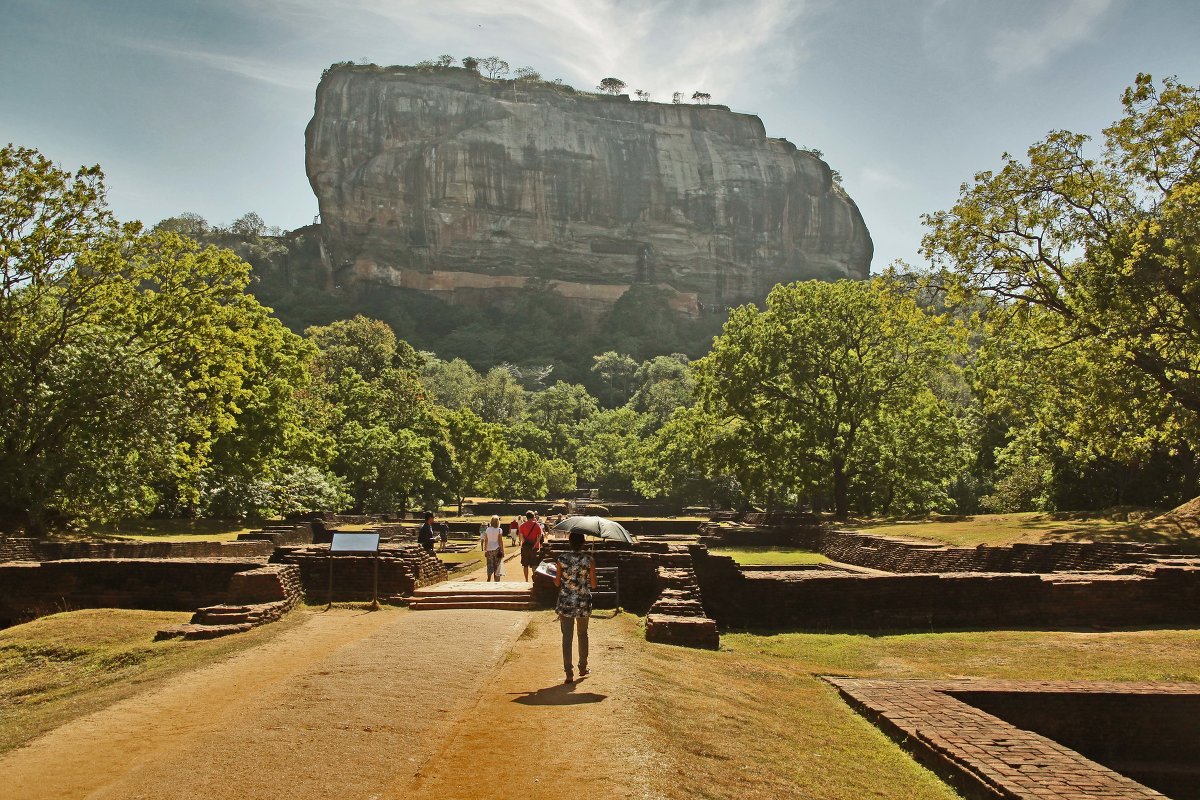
{"points": [[380, 706]]}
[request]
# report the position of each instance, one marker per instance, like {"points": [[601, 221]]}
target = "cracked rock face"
{"points": [[450, 183]]}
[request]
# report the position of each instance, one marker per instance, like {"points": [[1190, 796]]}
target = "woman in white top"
{"points": [[492, 542]]}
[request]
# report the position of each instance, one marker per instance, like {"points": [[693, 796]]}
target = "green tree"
{"points": [[517, 473], [476, 448], [498, 397], [389, 446], [560, 477], [611, 86], [701, 98], [557, 410], [803, 382], [679, 461], [493, 66], [608, 448], [118, 347], [616, 369], [1107, 245], [452, 384]]}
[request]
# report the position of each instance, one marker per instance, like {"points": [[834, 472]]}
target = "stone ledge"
{"points": [[981, 754]]}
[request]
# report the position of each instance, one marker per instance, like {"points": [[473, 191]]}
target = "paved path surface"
{"points": [[376, 706]]}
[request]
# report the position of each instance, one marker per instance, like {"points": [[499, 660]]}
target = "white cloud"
{"points": [[1058, 28], [656, 45], [270, 71]]}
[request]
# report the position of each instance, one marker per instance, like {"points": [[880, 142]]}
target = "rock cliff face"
{"points": [[450, 183]]}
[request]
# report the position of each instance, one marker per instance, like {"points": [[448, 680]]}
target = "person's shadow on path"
{"points": [[562, 694]]}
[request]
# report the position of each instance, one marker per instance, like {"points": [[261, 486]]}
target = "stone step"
{"points": [[686, 631], [435, 604]]}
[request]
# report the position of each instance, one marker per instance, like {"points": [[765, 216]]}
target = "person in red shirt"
{"points": [[531, 542], [512, 527]]}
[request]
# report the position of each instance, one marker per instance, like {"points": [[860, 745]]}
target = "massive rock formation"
{"points": [[447, 182]]}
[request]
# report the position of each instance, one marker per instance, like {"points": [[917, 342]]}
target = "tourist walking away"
{"points": [[575, 578], [531, 543], [425, 532], [492, 542], [512, 527], [444, 533]]}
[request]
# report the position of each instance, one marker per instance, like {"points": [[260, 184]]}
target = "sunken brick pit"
{"points": [[1045, 740]]}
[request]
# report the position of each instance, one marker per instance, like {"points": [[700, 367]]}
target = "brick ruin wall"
{"points": [[1146, 735], [402, 570], [637, 565], [900, 555], [1143, 595], [30, 589], [36, 550]]}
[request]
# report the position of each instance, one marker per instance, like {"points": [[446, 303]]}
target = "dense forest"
{"points": [[1048, 357]]}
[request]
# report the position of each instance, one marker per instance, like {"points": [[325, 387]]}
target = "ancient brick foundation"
{"points": [[402, 570], [902, 555], [29, 589], [254, 597], [38, 550], [637, 566], [1151, 594], [678, 616], [1043, 740]]}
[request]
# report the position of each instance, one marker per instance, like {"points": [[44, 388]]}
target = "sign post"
{"points": [[356, 544]]}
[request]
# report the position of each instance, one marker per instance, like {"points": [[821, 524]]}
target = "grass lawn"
{"points": [[770, 556], [65, 665], [171, 530], [754, 721], [1035, 527]]}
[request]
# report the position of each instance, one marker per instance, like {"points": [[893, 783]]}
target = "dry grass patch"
{"points": [[999, 529], [63, 666], [770, 556]]}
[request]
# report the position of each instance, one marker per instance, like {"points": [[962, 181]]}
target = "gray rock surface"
{"points": [[451, 183]]}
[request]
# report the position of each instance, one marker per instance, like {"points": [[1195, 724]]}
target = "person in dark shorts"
{"points": [[531, 542], [425, 532]]}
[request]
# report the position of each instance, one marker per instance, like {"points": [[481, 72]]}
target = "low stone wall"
{"points": [[29, 590], [1149, 595], [16, 549], [402, 570], [902, 555], [59, 551], [281, 534], [637, 569], [1139, 731], [987, 756]]}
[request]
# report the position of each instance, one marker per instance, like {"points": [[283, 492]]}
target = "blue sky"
{"points": [[201, 106]]}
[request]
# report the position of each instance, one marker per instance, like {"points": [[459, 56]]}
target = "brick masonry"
{"points": [[893, 554], [985, 756], [1150, 594], [402, 570], [255, 597], [38, 550], [30, 589]]}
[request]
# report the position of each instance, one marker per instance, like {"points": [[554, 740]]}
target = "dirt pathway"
{"points": [[530, 736], [348, 704], [378, 706]]}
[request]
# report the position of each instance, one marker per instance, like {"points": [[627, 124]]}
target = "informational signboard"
{"points": [[354, 543]]}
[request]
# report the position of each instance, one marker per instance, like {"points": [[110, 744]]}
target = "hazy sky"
{"points": [[201, 106]]}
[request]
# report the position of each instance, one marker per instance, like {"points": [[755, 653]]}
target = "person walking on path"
{"points": [[512, 526], [425, 532], [531, 543], [492, 542], [575, 578]]}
